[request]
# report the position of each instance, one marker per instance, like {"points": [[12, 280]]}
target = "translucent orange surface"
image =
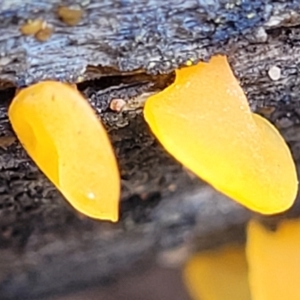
{"points": [[64, 137], [274, 261], [218, 274], [203, 119]]}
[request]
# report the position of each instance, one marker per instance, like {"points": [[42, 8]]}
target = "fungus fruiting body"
{"points": [[274, 260], [39, 28], [44, 34], [220, 274], [203, 119], [70, 15], [62, 134], [31, 27]]}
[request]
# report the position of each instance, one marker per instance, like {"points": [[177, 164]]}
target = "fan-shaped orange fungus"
{"points": [[62, 134], [203, 119], [220, 274], [274, 261]]}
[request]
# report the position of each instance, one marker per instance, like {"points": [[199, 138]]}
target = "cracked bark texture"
{"points": [[47, 248], [131, 35]]}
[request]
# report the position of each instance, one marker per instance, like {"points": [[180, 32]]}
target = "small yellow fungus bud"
{"points": [[274, 261], [203, 119], [70, 15], [62, 134], [32, 26], [218, 274], [39, 28], [189, 63], [44, 34]]}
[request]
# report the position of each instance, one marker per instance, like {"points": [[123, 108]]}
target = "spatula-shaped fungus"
{"points": [[218, 274], [203, 119], [62, 134], [274, 261]]}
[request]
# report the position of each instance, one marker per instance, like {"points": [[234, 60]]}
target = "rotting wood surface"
{"points": [[47, 248], [156, 36]]}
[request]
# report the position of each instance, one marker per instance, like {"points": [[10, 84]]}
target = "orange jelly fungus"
{"points": [[62, 134], [203, 119], [218, 275], [274, 261]]}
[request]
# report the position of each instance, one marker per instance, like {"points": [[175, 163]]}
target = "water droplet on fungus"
{"points": [[62, 134], [239, 153]]}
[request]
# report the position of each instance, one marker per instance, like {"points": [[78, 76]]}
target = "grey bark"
{"points": [[45, 247], [156, 36]]}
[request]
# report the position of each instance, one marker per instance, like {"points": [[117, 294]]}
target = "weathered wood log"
{"points": [[131, 35], [45, 247]]}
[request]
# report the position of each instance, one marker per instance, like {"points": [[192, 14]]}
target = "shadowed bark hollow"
{"points": [[46, 247]]}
